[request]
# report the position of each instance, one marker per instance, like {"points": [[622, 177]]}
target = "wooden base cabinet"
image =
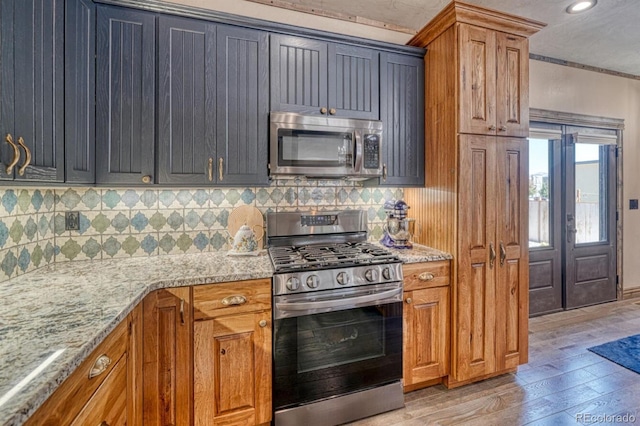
{"points": [[168, 366], [232, 353], [425, 324], [105, 388]]}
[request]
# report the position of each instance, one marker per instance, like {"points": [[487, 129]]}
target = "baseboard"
{"points": [[632, 293]]}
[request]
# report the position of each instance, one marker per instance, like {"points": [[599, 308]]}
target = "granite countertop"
{"points": [[60, 313]]}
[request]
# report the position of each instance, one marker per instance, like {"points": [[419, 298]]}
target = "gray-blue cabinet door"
{"points": [[79, 81], [242, 106], [32, 90], [125, 104], [187, 96], [298, 75], [402, 113], [354, 84]]}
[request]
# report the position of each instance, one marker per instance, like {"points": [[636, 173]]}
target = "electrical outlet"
{"points": [[633, 204], [72, 221]]}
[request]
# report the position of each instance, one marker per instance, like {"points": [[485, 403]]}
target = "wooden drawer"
{"points": [[108, 406], [426, 275], [210, 301], [67, 401]]}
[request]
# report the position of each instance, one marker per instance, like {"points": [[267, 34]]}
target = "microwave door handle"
{"points": [[339, 302], [358, 164]]}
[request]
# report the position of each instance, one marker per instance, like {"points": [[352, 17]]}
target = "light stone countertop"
{"points": [[66, 310]]}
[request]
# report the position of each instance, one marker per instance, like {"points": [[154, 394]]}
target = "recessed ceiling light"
{"points": [[581, 6]]}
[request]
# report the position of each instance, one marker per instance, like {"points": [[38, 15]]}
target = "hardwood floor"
{"points": [[562, 384]]}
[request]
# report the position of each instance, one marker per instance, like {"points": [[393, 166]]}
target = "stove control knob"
{"points": [[313, 281], [387, 273], [343, 278], [371, 275], [293, 284]]}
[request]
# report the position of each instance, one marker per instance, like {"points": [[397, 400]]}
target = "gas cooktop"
{"points": [[323, 256]]}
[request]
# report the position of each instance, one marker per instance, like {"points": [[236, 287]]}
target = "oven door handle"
{"points": [[338, 302]]}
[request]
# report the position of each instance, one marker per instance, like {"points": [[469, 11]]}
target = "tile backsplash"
{"points": [[123, 222]]}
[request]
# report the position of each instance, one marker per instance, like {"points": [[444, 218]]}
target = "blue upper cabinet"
{"points": [[125, 90], [79, 81], [32, 90], [213, 103], [242, 106], [316, 77], [402, 112], [186, 100]]}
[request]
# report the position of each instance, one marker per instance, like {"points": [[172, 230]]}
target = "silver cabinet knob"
{"points": [[262, 323]]}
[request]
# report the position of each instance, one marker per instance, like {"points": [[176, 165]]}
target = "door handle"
{"points": [[503, 254], [570, 232], [16, 154], [492, 255], [27, 156]]}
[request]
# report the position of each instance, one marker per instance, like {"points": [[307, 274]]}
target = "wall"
{"points": [[574, 90], [118, 223]]}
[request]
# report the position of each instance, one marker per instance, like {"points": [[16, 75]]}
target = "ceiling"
{"points": [[606, 36]]}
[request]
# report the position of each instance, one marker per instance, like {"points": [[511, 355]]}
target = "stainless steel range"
{"points": [[337, 304]]}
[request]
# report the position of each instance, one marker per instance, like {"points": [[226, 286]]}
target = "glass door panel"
{"points": [[590, 169]]}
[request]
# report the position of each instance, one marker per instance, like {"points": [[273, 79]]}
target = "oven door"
{"points": [[341, 342]]}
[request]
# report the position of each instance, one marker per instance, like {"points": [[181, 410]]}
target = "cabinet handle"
{"points": [[503, 128], [323, 110], [426, 276], [146, 179], [27, 156], [384, 172], [234, 300], [332, 111], [103, 423], [100, 366], [492, 128], [182, 311], [492, 255], [220, 168], [409, 300], [262, 323], [223, 351], [503, 254], [210, 167], [16, 154]]}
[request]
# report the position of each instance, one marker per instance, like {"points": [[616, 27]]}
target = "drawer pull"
{"points": [[103, 423], [426, 276], [409, 300], [234, 300], [100, 366], [262, 323]]}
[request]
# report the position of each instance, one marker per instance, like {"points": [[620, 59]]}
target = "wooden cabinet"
{"points": [[475, 201], [494, 82], [105, 387], [125, 104], [167, 353], [232, 353], [315, 77], [32, 90], [426, 324], [213, 103], [402, 112]]}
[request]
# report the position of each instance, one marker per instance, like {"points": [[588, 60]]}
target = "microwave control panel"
{"points": [[371, 151]]}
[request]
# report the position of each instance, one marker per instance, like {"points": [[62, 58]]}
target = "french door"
{"points": [[572, 225]]}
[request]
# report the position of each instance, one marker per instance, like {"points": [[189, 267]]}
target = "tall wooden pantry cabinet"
{"points": [[475, 201]]}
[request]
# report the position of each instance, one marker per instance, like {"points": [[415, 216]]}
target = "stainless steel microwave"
{"points": [[324, 147]]}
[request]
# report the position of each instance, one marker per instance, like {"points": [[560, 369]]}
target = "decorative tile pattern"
{"points": [[147, 222]]}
